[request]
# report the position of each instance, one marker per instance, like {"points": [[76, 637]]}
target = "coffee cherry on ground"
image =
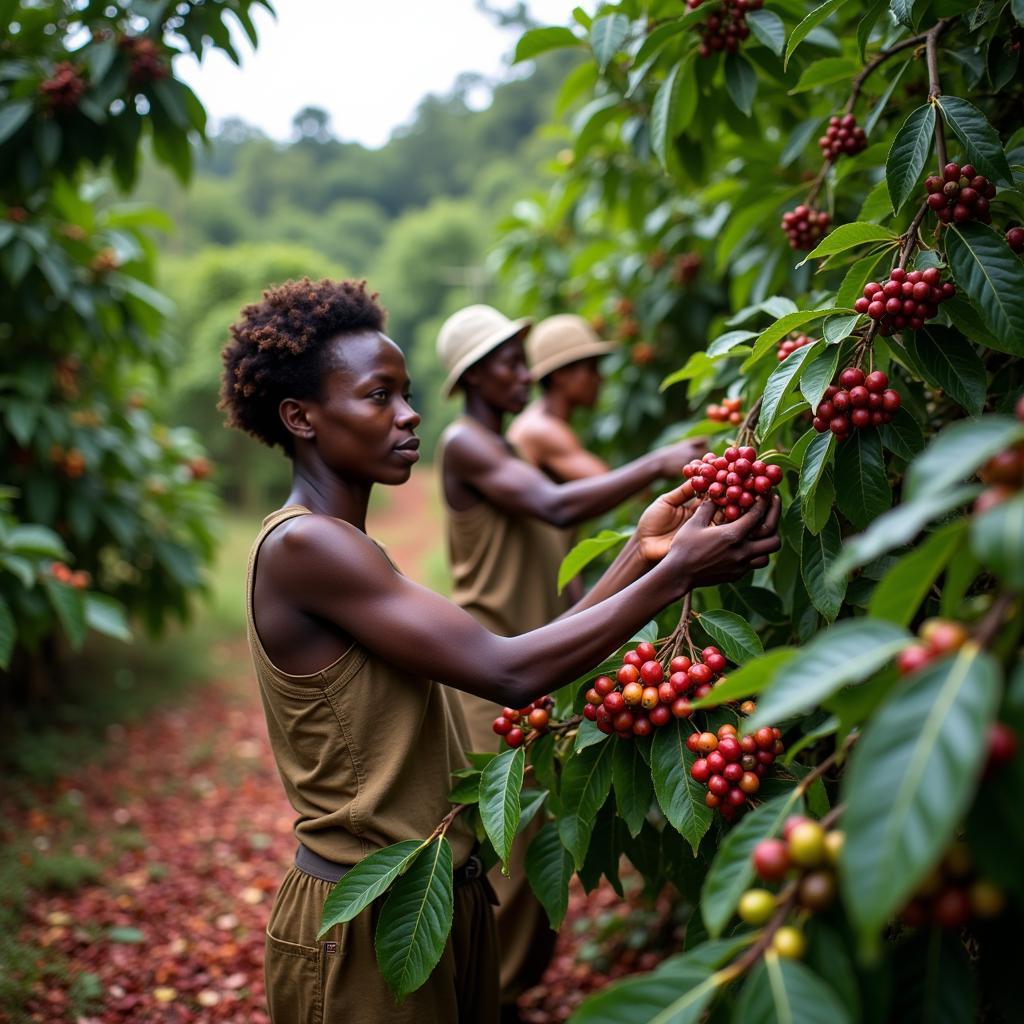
{"points": [[792, 343], [842, 136], [789, 942], [960, 194], [1015, 239], [805, 226], [856, 402], [730, 411], [727, 27], [939, 638], [756, 906], [906, 300]]}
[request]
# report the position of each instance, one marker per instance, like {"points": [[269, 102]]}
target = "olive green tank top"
{"points": [[505, 574], [358, 776]]}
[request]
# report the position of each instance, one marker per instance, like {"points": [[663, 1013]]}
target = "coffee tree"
{"points": [[812, 214], [95, 480]]}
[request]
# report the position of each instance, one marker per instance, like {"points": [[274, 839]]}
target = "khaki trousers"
{"points": [[336, 981]]}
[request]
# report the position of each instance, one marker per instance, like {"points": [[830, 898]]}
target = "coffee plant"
{"points": [[872, 872], [105, 508]]}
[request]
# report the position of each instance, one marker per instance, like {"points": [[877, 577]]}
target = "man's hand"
{"points": [[675, 456], [660, 521]]}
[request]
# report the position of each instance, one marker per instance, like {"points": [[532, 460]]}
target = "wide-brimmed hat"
{"points": [[468, 335], [560, 340]]}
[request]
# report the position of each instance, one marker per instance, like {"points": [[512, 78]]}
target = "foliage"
{"points": [[664, 227], [96, 479]]}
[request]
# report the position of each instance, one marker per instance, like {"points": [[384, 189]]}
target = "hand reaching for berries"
{"points": [[660, 521], [675, 456]]}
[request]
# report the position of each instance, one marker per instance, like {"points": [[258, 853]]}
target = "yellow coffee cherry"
{"points": [[789, 942], [756, 906], [834, 846], [807, 844]]}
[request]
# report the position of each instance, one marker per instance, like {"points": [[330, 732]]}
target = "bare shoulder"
{"points": [[466, 446]]}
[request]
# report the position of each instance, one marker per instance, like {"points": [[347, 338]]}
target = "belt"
{"points": [[330, 871]]}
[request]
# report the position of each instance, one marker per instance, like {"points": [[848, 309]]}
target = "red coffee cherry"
{"points": [[771, 859], [793, 342], [1015, 239], [726, 27], [960, 194], [906, 300]]}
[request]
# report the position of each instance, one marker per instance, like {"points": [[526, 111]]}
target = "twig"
{"points": [[746, 431], [986, 630], [819, 770], [935, 89], [787, 899]]}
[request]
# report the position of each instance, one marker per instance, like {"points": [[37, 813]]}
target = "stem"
{"points": [[875, 62], [746, 431], [819, 770], [909, 237], [935, 89], [986, 630], [787, 898]]}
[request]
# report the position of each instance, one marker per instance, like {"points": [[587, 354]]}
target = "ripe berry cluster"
{"points": [[686, 267], [792, 343], [857, 402], [953, 894], [905, 300], [960, 194], [1003, 473], [1002, 746], [514, 723], [732, 766], [842, 136], [64, 88], [727, 28], [78, 579], [940, 637], [730, 411], [147, 63], [805, 226], [1015, 239], [640, 699], [732, 480], [809, 854]]}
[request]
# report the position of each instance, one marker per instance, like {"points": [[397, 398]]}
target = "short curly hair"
{"points": [[277, 350]]}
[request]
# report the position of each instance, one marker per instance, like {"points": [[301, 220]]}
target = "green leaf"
{"points": [[607, 36], [810, 22], [838, 328], [851, 651], [500, 787], [867, 24], [586, 780], [587, 735], [732, 870], [903, 11], [910, 781], [749, 680], [549, 870], [12, 116], [740, 82], [107, 616], [781, 991], [634, 790], [780, 384], [767, 339], [35, 541], [993, 278], [680, 796], [980, 140], [825, 71], [903, 436], [69, 604], [364, 882], [849, 236], [901, 591], [673, 108], [767, 27], [732, 635], [8, 634], [997, 539], [862, 488], [415, 921], [728, 341], [817, 374], [957, 451], [539, 40], [586, 551], [817, 555], [816, 461], [908, 155]]}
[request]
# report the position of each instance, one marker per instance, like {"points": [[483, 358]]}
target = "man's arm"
{"points": [[552, 444]]}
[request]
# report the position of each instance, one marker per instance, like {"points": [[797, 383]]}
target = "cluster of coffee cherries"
{"points": [[63, 89], [960, 194], [808, 854], [805, 226], [732, 480], [686, 267], [732, 766], [515, 723], [730, 411], [640, 699], [76, 579], [842, 136], [939, 637], [726, 28], [792, 343], [1015, 239], [907, 299], [953, 894], [858, 401], [147, 62], [1003, 474]]}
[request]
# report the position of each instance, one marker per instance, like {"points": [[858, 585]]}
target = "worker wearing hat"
{"points": [[505, 523]]}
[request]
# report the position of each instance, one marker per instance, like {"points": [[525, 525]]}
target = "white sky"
{"points": [[366, 62]]}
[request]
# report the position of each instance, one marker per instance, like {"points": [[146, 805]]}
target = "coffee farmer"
{"points": [[506, 522], [347, 650]]}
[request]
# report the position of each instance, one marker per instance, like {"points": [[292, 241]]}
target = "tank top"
{"points": [[505, 574], [359, 777]]}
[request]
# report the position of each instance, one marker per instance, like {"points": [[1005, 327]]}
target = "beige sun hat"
{"points": [[468, 335], [560, 340]]}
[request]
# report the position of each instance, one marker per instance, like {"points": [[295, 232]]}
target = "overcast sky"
{"points": [[366, 63]]}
